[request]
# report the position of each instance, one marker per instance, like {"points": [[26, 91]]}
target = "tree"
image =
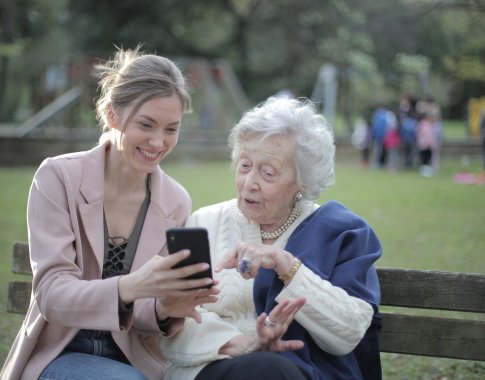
{"points": [[240, 30], [14, 28], [272, 44], [29, 40]]}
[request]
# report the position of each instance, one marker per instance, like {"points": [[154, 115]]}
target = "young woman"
{"points": [[104, 293]]}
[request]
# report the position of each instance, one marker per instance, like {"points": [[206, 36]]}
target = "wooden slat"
{"points": [[432, 289], [19, 291], [21, 259], [18, 296], [406, 334], [439, 337]]}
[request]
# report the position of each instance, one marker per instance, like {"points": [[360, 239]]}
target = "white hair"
{"points": [[314, 140]]}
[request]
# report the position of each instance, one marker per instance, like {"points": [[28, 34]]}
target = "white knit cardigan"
{"points": [[335, 320]]}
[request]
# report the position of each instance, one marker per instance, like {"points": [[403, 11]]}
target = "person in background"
{"points": [[361, 139], [104, 291], [271, 245], [392, 142], [426, 142], [380, 119], [407, 131], [429, 107]]}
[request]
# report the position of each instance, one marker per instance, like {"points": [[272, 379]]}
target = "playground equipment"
{"points": [[52, 109], [218, 102], [325, 90], [476, 110]]}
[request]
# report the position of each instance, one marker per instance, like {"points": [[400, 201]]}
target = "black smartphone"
{"points": [[194, 239]]}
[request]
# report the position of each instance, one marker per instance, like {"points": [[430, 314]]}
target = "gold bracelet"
{"points": [[288, 276]]}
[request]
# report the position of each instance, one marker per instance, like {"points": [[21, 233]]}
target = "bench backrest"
{"points": [[404, 330], [18, 290], [436, 334]]}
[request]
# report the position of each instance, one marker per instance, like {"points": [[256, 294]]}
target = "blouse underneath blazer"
{"points": [[66, 242]]}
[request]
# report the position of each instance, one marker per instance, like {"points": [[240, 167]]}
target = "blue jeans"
{"points": [[92, 354]]}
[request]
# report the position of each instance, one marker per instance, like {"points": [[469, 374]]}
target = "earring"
{"points": [[298, 196]]}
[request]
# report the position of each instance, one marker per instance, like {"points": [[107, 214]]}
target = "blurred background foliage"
{"points": [[382, 49]]}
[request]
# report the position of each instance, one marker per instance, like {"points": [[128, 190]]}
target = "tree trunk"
{"points": [[346, 98], [3, 83]]}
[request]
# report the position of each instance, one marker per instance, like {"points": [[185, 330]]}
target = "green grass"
{"points": [[423, 223], [455, 130]]}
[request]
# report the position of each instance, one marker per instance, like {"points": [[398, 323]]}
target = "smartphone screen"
{"points": [[194, 239]]}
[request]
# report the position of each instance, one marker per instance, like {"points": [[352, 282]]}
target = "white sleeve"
{"points": [[197, 344], [336, 321]]}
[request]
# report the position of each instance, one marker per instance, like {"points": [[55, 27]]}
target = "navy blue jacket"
{"points": [[340, 247]]}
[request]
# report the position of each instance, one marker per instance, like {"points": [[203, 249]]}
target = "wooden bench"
{"points": [[437, 336], [19, 291]]}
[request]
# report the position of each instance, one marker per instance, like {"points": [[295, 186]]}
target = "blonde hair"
{"points": [[133, 77]]}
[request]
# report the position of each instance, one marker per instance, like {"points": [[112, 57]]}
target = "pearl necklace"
{"points": [[295, 213]]}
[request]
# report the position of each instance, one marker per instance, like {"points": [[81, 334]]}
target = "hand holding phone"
{"points": [[194, 239]]}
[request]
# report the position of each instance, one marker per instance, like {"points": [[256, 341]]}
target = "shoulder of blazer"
{"points": [[79, 171]]}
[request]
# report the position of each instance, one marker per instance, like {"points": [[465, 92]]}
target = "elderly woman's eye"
{"points": [[269, 172]]}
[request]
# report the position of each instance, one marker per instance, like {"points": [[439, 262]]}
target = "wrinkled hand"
{"points": [[268, 338], [176, 296], [281, 316], [266, 256]]}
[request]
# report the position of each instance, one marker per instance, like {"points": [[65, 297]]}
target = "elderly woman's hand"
{"points": [[248, 258], [270, 330], [272, 327]]}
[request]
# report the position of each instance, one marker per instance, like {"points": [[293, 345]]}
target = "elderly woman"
{"points": [[273, 244]]}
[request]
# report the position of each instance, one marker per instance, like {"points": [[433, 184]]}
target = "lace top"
{"points": [[119, 251]]}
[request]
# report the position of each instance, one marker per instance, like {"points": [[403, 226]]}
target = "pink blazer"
{"points": [[65, 222]]}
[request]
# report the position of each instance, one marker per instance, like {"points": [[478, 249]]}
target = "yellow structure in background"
{"points": [[476, 108]]}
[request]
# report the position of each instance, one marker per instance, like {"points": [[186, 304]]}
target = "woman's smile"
{"points": [[148, 156]]}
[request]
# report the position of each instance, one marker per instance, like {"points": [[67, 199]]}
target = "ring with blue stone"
{"points": [[244, 265]]}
